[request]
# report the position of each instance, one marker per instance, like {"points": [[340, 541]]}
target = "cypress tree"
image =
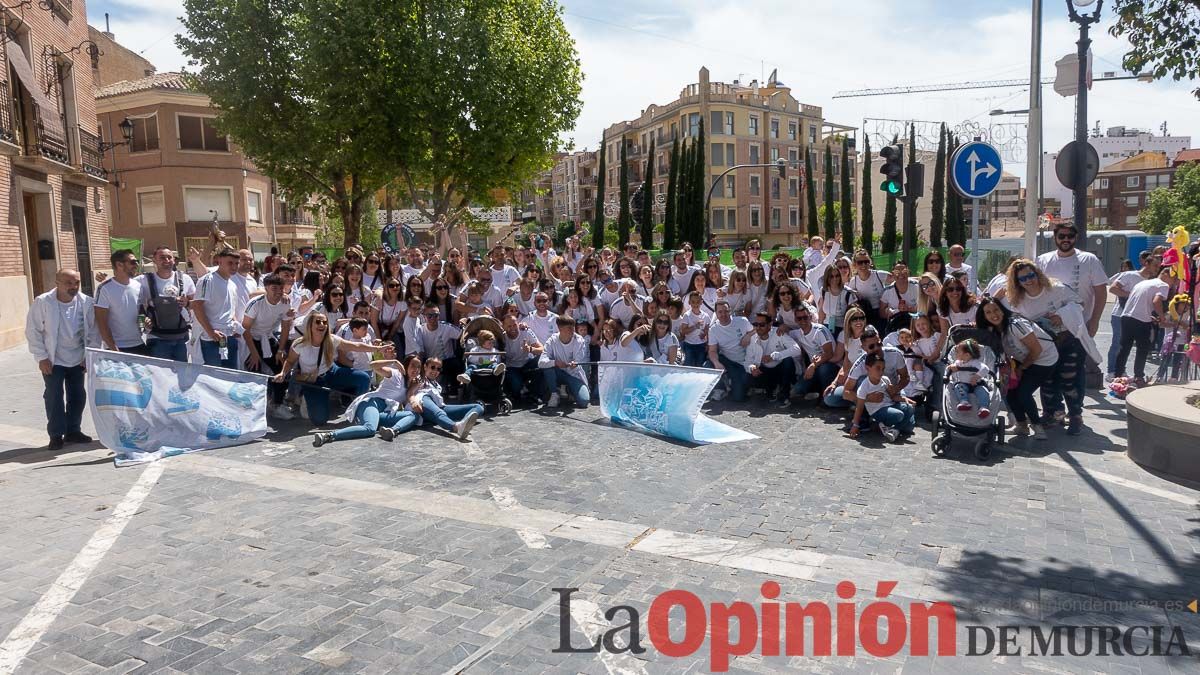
{"points": [[830, 227], [938, 200], [865, 212], [648, 201], [953, 219], [887, 243], [683, 191], [847, 197], [810, 194], [598, 217], [669, 216], [699, 229], [911, 228], [624, 217]]}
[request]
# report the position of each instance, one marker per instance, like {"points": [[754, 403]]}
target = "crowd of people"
{"points": [[824, 326]]}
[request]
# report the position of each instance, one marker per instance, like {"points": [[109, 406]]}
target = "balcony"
{"points": [[90, 166], [587, 180], [44, 150], [9, 143], [63, 8]]}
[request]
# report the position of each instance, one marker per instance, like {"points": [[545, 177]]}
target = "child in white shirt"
{"points": [[894, 415], [966, 378], [482, 358]]}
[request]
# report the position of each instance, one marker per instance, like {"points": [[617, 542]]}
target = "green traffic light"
{"points": [[890, 186]]}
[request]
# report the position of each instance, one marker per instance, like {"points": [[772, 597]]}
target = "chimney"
{"points": [[108, 29]]}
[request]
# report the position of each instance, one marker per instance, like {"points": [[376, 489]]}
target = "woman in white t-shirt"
{"points": [[836, 299], [708, 294], [381, 410], [387, 317], [736, 293], [1033, 355], [314, 355], [757, 287], [661, 343], [632, 346], [855, 322]]}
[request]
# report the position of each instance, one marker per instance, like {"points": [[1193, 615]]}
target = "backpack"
{"points": [[166, 314]]}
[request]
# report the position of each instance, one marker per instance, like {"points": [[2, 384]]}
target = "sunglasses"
{"points": [[393, 285], [441, 288], [320, 323], [754, 248], [862, 262], [435, 369], [843, 267], [759, 324], [934, 261], [954, 290], [1065, 237], [927, 284], [1026, 277], [336, 294], [432, 316], [802, 317]]}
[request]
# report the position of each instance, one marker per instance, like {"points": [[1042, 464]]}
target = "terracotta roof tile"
{"points": [[171, 81], [1192, 155]]}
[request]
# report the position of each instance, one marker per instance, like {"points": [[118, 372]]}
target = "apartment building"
{"points": [[744, 124], [1120, 191], [52, 201]]}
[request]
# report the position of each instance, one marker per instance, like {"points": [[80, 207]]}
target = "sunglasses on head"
{"points": [[928, 284]]}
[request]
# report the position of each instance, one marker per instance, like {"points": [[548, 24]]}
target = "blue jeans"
{"points": [[337, 378], [823, 376], [738, 378], [372, 416], [781, 376], [695, 355], [1068, 382], [1020, 400], [1115, 347], [515, 379], [837, 399], [899, 416], [963, 391], [446, 417], [64, 417], [577, 387], [175, 350], [211, 351]]}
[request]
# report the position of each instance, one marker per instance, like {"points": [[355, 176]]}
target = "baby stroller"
{"points": [[486, 388], [948, 421]]}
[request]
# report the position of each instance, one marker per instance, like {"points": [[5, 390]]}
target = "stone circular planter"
{"points": [[1164, 429]]}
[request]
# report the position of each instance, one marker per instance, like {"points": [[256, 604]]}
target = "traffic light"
{"points": [[781, 163], [914, 180], [893, 170]]}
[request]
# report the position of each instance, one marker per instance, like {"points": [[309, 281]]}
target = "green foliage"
{"points": [[810, 193], [1168, 208], [331, 232], [1164, 36], [828, 212], [868, 215], [847, 210], [910, 226], [672, 189], [887, 242], [598, 219], [938, 201], [647, 226], [698, 233], [624, 217], [335, 98]]}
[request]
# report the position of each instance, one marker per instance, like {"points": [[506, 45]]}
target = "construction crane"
{"points": [[956, 86]]}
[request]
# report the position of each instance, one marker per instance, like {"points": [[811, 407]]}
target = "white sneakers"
{"points": [[499, 370], [1038, 432], [283, 411], [464, 378], [463, 428], [719, 393], [553, 401], [890, 433]]}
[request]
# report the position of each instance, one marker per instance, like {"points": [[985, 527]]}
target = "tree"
{"points": [[624, 217], [868, 216], [810, 193], [333, 109], [828, 219], [648, 200], [847, 211], [698, 234], [938, 200], [1167, 208], [1164, 36], [598, 216], [887, 242], [910, 227], [668, 242], [683, 187], [955, 225]]}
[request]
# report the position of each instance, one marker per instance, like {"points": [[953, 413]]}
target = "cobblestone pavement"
{"points": [[430, 555]]}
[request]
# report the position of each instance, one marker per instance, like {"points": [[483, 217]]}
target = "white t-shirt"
{"points": [[813, 342], [69, 347], [220, 298], [999, 281], [358, 360], [700, 321], [634, 351], [893, 363], [169, 288], [543, 326], [514, 347], [1081, 272], [866, 387], [853, 348], [309, 357], [682, 281], [869, 289], [505, 277], [1049, 301], [961, 318], [835, 306], [1141, 299], [891, 297], [267, 317], [1014, 346], [438, 342], [622, 312], [1126, 280], [728, 338], [980, 367], [660, 348], [123, 302], [246, 286]]}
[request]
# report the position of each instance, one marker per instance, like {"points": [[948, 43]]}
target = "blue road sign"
{"points": [[975, 170]]}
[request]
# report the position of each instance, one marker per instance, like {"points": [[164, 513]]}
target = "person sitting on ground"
{"points": [[822, 351], [482, 358], [769, 358], [381, 410], [841, 392], [427, 402], [877, 397], [522, 349], [560, 362], [728, 337], [967, 374]]}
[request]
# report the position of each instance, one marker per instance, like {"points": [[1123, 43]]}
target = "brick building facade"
{"points": [[53, 211], [1120, 191]]}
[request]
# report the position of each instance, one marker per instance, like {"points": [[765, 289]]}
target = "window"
{"points": [[198, 133], [793, 187], [754, 185], [718, 154], [754, 158], [715, 122], [812, 134], [1101, 203], [837, 165], [731, 219], [718, 219], [754, 125], [730, 183], [674, 130], [1133, 201], [730, 154], [793, 157], [1133, 181], [1131, 220], [254, 206], [774, 155], [774, 187], [775, 219], [794, 217], [145, 134], [755, 220], [1102, 220], [151, 206], [1103, 183], [792, 130], [774, 127], [198, 202], [693, 121], [729, 124]]}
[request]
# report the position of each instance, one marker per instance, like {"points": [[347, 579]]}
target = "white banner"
{"points": [[664, 400], [146, 408]]}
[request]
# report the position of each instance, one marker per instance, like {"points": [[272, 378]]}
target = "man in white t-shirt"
{"points": [[118, 304], [214, 305], [1078, 270], [1146, 307], [542, 321], [268, 317], [1121, 285], [901, 295], [816, 341], [681, 274], [436, 338], [415, 264], [503, 276], [841, 393], [58, 330], [958, 265], [769, 358], [728, 337], [522, 349], [166, 294], [560, 362]]}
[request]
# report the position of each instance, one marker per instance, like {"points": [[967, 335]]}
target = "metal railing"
{"points": [[90, 156], [8, 128], [46, 143]]}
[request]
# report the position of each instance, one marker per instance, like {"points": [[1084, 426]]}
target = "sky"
{"points": [[635, 53]]}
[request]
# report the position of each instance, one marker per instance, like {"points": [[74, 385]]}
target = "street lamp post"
{"points": [[1085, 21], [780, 164], [126, 128]]}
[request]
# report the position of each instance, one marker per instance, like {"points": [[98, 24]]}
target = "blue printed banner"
{"points": [[663, 400], [146, 408]]}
